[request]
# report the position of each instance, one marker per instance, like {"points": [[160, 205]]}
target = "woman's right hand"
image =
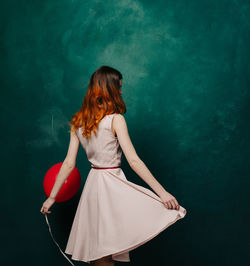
{"points": [[46, 205], [169, 201]]}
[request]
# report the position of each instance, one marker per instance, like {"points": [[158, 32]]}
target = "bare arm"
{"points": [[65, 170], [67, 166], [120, 127]]}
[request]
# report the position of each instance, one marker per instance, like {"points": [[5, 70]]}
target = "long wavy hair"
{"points": [[103, 97]]}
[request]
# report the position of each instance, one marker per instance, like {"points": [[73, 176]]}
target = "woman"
{"points": [[114, 215]]}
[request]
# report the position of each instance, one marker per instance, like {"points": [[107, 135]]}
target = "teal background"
{"points": [[186, 87]]}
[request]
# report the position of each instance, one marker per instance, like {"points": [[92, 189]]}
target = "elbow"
{"points": [[69, 165], [134, 162]]}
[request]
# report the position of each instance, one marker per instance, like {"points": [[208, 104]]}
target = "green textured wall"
{"points": [[186, 86]]}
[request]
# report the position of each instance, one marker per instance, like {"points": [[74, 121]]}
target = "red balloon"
{"points": [[68, 189]]}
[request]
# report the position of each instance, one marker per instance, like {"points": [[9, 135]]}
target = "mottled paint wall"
{"points": [[186, 86]]}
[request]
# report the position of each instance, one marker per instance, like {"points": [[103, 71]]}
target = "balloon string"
{"points": [[55, 240]]}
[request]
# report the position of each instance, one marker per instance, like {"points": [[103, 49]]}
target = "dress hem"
{"points": [[131, 247]]}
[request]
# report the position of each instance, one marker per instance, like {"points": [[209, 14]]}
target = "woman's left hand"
{"points": [[46, 205]]}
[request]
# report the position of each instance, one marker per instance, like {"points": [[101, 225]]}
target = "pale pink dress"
{"points": [[114, 215]]}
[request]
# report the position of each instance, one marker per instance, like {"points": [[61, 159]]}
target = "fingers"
{"points": [[44, 210], [177, 206], [172, 204], [168, 204]]}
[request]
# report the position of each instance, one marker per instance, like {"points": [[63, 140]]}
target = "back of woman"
{"points": [[114, 215], [102, 149]]}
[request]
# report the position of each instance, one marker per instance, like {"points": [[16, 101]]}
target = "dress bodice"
{"points": [[102, 149]]}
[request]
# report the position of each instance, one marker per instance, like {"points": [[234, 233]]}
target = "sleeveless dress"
{"points": [[113, 215]]}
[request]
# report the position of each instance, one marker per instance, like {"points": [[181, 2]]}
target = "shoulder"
{"points": [[119, 118], [119, 121]]}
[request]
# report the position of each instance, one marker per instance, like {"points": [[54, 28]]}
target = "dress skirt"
{"points": [[115, 216]]}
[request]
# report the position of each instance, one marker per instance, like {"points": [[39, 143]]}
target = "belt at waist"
{"points": [[105, 167]]}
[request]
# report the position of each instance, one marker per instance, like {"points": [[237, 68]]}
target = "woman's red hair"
{"points": [[102, 98]]}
